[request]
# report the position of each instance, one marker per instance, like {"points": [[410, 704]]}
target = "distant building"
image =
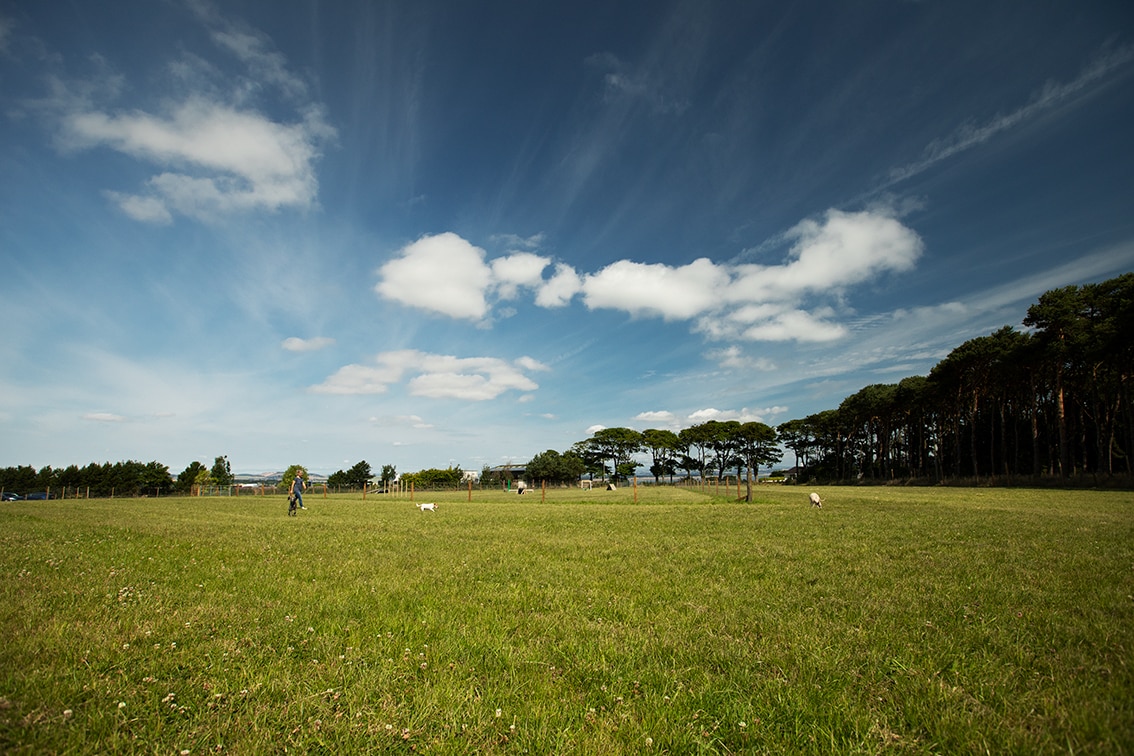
{"points": [[510, 471]]}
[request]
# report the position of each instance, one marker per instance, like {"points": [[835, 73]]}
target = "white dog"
{"points": [[430, 507], [815, 500]]}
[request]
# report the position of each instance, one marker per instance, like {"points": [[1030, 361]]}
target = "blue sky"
{"points": [[445, 233]]}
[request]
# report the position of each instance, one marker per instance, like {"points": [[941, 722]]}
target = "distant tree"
{"points": [[755, 443], [338, 479], [721, 438], [358, 476], [617, 445], [155, 477], [796, 435], [435, 478], [663, 446], [488, 477], [389, 475], [556, 468], [698, 441], [222, 472], [188, 477], [593, 463], [289, 476]]}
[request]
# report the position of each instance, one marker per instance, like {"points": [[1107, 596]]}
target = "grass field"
{"points": [[893, 620]]}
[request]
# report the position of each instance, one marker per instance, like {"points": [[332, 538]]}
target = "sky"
{"points": [[433, 234]]}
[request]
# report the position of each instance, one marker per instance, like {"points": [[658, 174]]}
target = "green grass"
{"points": [[898, 620]]}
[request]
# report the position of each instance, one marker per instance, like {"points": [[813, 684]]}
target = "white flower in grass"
{"points": [[498, 713], [121, 705], [649, 742]]}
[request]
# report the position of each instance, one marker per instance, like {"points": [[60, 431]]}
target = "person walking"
{"points": [[297, 487]]}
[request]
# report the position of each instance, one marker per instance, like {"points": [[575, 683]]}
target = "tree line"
{"points": [[129, 478], [712, 448], [1051, 401]]}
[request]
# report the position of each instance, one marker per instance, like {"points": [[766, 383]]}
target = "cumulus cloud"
{"points": [[516, 270], [744, 415], [661, 416], [751, 302], [296, 344], [442, 273], [672, 293], [560, 289], [434, 376]]}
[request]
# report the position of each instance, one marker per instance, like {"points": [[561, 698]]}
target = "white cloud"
{"points": [[794, 325], [785, 302], [516, 270], [435, 376], [144, 209], [560, 289], [744, 415], [442, 273], [732, 358], [661, 416], [214, 152], [222, 159], [656, 289], [104, 417], [529, 363], [296, 344]]}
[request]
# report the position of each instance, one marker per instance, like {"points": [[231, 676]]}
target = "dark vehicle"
{"points": [[41, 496], [9, 496]]}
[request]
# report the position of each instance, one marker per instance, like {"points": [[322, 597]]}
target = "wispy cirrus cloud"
{"points": [[972, 134]]}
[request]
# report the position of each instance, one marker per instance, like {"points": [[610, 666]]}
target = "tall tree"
{"points": [[289, 476], [615, 444], [188, 477], [358, 476], [556, 468], [389, 475], [222, 472], [663, 446], [755, 443]]}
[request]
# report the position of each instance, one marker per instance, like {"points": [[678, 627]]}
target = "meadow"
{"points": [[893, 620]]}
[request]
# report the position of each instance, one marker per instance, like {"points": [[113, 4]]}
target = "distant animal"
{"points": [[429, 507], [291, 506], [815, 500]]}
